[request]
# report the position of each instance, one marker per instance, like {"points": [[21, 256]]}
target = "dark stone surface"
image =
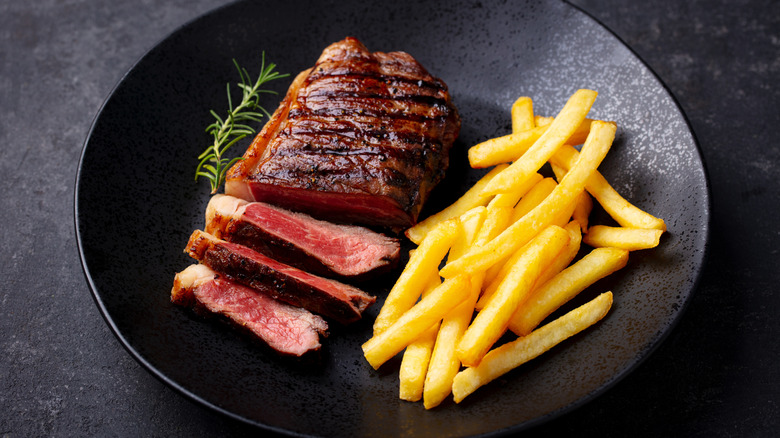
{"points": [[64, 374]]}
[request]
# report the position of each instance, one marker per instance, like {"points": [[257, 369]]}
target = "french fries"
{"points": [[410, 284], [491, 322], [631, 239], [518, 234], [513, 354], [472, 198], [509, 250]]}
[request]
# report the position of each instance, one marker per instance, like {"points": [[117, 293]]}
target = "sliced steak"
{"points": [[287, 329], [320, 247], [330, 298], [360, 137]]}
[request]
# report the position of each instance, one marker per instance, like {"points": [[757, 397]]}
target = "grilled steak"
{"points": [[360, 137], [319, 247], [287, 329], [326, 297]]}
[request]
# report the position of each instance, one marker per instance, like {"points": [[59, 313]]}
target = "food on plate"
{"points": [[228, 130], [316, 246], [472, 198], [410, 284], [432, 308], [552, 294], [560, 200], [287, 329], [360, 137], [508, 356], [625, 213], [514, 242], [491, 322], [630, 239], [327, 297]]}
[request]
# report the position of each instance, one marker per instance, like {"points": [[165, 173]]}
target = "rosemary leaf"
{"points": [[233, 127]]}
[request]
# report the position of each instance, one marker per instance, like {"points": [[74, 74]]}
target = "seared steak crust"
{"points": [[360, 137]]}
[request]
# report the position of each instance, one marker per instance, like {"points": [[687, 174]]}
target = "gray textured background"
{"points": [[64, 374]]}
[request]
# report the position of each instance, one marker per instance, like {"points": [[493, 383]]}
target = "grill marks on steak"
{"points": [[360, 137], [287, 329], [319, 247], [330, 298]]}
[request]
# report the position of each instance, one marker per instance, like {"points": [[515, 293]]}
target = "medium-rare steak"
{"points": [[319, 247], [330, 298], [287, 329], [360, 137]]}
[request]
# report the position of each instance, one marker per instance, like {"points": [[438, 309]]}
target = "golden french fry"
{"points": [[582, 209], [414, 364], [470, 223], [577, 137], [567, 121], [562, 197], [510, 199], [503, 149], [534, 197], [411, 282], [444, 364], [523, 114], [624, 213], [553, 294], [513, 354], [560, 261], [427, 312], [491, 322], [631, 239], [472, 198], [510, 147]]}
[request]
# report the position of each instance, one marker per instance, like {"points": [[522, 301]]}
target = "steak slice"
{"points": [[330, 298], [319, 247], [360, 137], [287, 329]]}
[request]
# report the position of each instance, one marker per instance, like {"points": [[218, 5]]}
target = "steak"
{"points": [[319, 247], [327, 297], [287, 329], [360, 137]]}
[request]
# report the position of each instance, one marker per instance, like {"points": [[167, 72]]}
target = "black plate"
{"points": [[136, 204]]}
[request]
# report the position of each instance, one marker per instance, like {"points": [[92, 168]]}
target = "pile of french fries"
{"points": [[510, 244]]}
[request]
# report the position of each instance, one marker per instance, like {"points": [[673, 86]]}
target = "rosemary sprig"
{"points": [[235, 126]]}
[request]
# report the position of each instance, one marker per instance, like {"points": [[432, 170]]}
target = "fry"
{"points": [[523, 114], [414, 364], [624, 213], [503, 149], [491, 322], [563, 287], [444, 364], [511, 199], [630, 239], [429, 310], [510, 147], [567, 121], [578, 136], [519, 233], [472, 198], [534, 197], [513, 354], [409, 285], [582, 208], [560, 261]]}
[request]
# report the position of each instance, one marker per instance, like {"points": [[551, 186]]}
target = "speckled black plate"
{"points": [[136, 204]]}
